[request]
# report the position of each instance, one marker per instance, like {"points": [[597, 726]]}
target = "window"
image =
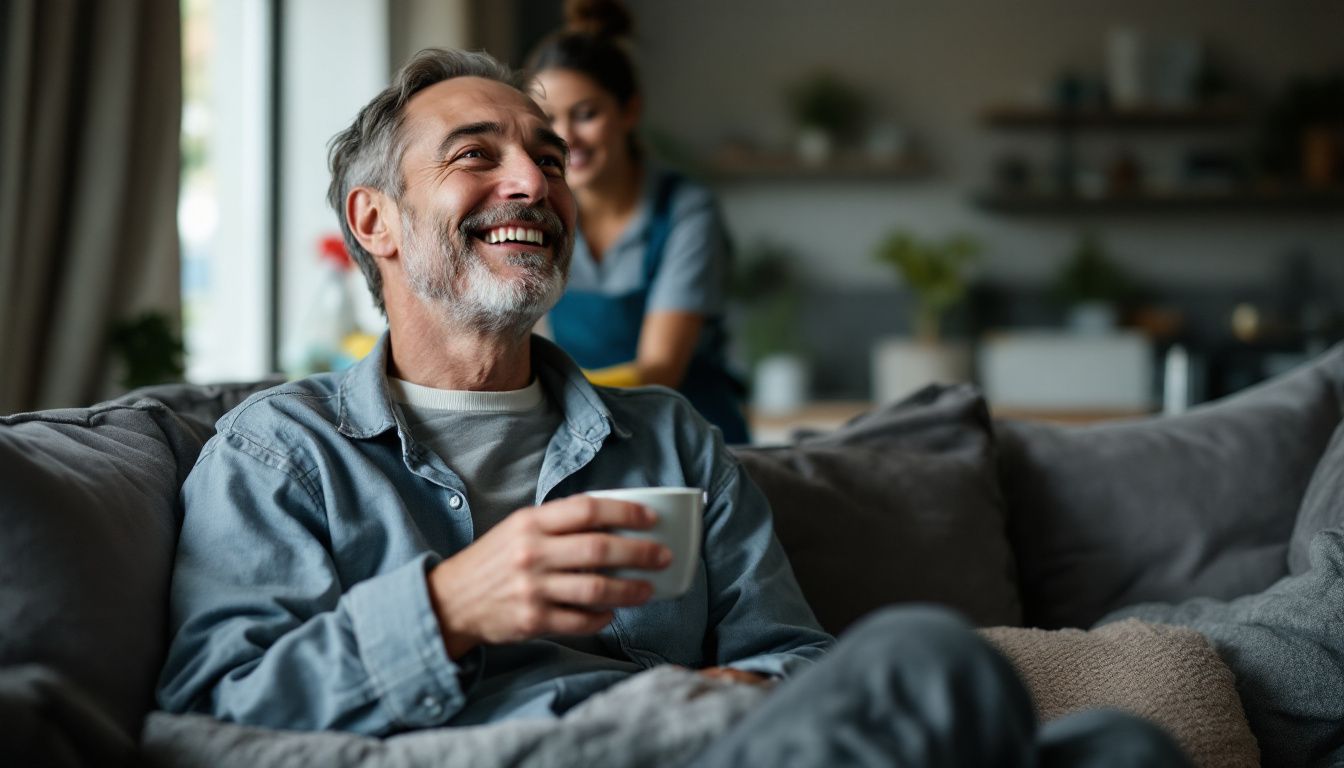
{"points": [[224, 205]]}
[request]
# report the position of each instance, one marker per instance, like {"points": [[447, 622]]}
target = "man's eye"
{"points": [[471, 154], [550, 161]]}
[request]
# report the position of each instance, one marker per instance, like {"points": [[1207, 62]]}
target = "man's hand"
{"points": [[532, 574], [736, 676]]}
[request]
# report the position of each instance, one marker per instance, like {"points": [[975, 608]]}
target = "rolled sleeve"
{"points": [[402, 648]]}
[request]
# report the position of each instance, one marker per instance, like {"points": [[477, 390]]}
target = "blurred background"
{"points": [[1089, 209]]}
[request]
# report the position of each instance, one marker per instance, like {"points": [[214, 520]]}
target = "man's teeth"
{"points": [[515, 234]]}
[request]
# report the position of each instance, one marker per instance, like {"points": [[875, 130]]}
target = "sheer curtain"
{"points": [[90, 106]]}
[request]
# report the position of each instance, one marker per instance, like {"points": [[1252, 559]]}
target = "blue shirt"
{"points": [[299, 597], [693, 271]]}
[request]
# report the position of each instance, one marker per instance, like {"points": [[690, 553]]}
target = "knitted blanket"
{"points": [[665, 716], [662, 717]]}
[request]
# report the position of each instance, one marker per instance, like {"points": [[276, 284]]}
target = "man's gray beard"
{"points": [[487, 303]]}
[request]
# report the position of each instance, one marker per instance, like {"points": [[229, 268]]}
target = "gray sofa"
{"points": [[1221, 531]]}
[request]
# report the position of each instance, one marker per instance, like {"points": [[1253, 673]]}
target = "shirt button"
{"points": [[455, 502], [431, 705]]}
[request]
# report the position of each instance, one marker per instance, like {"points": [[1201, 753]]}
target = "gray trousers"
{"points": [[915, 686]]}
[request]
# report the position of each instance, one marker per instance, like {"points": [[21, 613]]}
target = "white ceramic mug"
{"points": [[680, 514]]}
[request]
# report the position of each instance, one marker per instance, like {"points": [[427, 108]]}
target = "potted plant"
{"points": [[147, 349], [769, 298], [1092, 287], [826, 110], [937, 273]]}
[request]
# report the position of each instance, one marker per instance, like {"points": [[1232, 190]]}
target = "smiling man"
{"points": [[408, 544]]}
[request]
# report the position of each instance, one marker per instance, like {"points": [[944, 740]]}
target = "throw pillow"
{"points": [[89, 514], [901, 504], [51, 722], [1164, 509], [1167, 675]]}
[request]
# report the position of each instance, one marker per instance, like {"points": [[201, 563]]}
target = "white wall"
{"points": [[712, 70]]}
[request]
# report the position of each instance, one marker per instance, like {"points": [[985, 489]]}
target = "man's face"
{"points": [[487, 219]]}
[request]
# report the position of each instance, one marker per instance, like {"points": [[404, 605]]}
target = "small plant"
{"points": [[1091, 276], [149, 351], [825, 102], [765, 284], [936, 271]]}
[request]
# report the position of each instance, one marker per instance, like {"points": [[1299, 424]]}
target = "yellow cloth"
{"points": [[357, 344], [623, 375]]}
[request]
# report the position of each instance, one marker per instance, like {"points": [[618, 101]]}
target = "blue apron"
{"points": [[600, 330]]}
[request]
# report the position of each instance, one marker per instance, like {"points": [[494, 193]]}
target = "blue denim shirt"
{"points": [[299, 597]]}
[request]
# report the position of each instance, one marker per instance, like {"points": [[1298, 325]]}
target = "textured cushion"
{"points": [[901, 504], [89, 519], [1167, 675], [1167, 508]]}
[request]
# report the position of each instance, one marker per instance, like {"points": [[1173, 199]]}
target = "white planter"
{"points": [[1061, 371], [815, 146], [1092, 318], [781, 384], [902, 365]]}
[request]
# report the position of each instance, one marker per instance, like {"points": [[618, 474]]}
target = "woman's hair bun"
{"points": [[601, 18]]}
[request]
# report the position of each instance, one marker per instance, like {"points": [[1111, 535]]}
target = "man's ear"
{"points": [[374, 220]]}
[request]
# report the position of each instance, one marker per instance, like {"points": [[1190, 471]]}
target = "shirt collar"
{"points": [[586, 413], [365, 400], [366, 407]]}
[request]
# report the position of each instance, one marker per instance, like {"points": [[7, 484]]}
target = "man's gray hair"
{"points": [[369, 152]]}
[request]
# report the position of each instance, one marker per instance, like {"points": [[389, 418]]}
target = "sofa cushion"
{"points": [[51, 722], [201, 405], [1285, 647], [1167, 675], [90, 522], [1284, 644], [901, 504], [1164, 509]]}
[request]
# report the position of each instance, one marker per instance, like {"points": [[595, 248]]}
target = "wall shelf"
{"points": [[1148, 118], [843, 167], [1296, 201]]}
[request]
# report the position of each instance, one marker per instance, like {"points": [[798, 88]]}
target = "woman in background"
{"points": [[645, 299]]}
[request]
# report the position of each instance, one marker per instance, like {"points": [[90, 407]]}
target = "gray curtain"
{"points": [[90, 105]]}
